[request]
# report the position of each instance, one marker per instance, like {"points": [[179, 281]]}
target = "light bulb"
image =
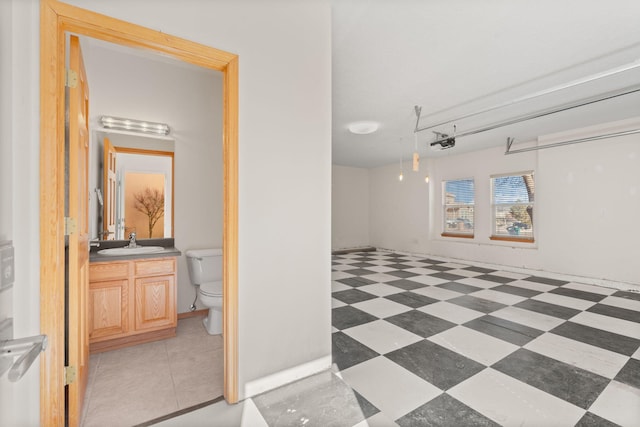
{"points": [[400, 177], [426, 179]]}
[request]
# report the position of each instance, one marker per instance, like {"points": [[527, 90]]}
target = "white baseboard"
{"points": [[255, 387]]}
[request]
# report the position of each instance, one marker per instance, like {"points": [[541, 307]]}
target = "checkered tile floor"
{"points": [[425, 342]]}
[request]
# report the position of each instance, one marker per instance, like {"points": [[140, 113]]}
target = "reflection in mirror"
{"points": [[137, 187]]}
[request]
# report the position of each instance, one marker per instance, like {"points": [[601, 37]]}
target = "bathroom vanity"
{"points": [[131, 299]]}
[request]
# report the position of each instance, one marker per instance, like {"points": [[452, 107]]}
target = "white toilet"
{"points": [[205, 272]]}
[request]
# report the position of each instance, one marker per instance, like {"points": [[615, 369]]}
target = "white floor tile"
{"points": [[453, 265], [565, 301], [420, 270], [378, 420], [381, 307], [636, 355], [427, 280], [590, 288], [337, 286], [380, 268], [465, 273], [510, 402], [334, 329], [534, 286], [611, 324], [416, 264], [509, 274], [479, 283], [380, 277], [381, 262], [388, 386], [629, 304], [380, 289], [341, 267], [619, 403], [337, 303], [501, 297], [451, 312], [382, 336], [528, 318], [336, 275], [475, 345], [437, 293], [594, 359]]}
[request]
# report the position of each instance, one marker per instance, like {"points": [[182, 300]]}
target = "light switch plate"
{"points": [[7, 265]]}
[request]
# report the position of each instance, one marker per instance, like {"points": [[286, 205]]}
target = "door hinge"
{"points": [[71, 78], [70, 226], [70, 374]]}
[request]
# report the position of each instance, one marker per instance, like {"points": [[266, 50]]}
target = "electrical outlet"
{"points": [[6, 265]]}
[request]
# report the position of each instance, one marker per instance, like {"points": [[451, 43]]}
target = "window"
{"points": [[458, 203], [512, 199]]}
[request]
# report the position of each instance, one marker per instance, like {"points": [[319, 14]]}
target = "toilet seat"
{"points": [[212, 289]]}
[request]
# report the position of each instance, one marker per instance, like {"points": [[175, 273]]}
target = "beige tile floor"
{"points": [[143, 382]]}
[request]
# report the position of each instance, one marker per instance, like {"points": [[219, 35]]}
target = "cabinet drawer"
{"points": [[108, 271], [154, 267]]}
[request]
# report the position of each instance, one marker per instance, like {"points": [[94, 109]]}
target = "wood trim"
{"points": [[56, 18], [197, 313], [513, 239], [462, 236]]}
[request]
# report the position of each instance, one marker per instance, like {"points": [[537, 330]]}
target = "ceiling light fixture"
{"points": [[133, 125], [363, 127]]}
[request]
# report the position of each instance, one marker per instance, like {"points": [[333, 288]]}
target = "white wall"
{"points": [[349, 207], [189, 99], [19, 193], [586, 201], [285, 172]]}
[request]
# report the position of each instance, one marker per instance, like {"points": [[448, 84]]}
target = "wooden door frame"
{"points": [[56, 19]]}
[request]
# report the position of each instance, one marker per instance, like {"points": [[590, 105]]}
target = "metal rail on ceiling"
{"points": [[572, 141]]}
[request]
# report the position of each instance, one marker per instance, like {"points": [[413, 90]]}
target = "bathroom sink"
{"points": [[131, 251]]}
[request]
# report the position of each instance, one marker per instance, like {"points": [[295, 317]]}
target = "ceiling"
{"points": [[462, 56]]}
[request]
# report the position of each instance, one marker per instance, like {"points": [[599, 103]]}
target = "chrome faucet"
{"points": [[132, 240]]}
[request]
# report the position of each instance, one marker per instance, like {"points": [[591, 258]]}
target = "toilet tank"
{"points": [[204, 265]]}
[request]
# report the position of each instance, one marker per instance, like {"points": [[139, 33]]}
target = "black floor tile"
{"points": [[505, 330], [348, 352], [546, 281], [362, 264], [592, 420], [514, 290], [480, 270], [459, 287], [407, 285], [628, 295], [348, 317], [597, 337], [447, 276], [352, 296], [617, 312], [562, 380], [436, 364], [478, 304], [367, 408], [356, 281], [398, 266], [548, 309], [444, 411], [494, 278], [432, 261], [360, 272], [401, 273], [630, 373], [574, 293], [420, 323], [440, 268], [411, 299]]}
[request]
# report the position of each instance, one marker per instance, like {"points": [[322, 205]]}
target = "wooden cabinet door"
{"points": [[108, 309], [155, 302]]}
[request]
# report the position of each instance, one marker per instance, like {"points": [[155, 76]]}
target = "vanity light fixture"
{"points": [[132, 125], [363, 127]]}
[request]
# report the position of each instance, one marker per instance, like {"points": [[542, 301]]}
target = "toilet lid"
{"points": [[211, 288]]}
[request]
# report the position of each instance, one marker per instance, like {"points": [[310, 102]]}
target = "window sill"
{"points": [[462, 236], [513, 239]]}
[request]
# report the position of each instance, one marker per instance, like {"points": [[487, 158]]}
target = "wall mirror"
{"points": [[135, 187]]}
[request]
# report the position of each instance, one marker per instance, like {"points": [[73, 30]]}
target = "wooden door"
{"points": [[78, 231], [109, 180]]}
